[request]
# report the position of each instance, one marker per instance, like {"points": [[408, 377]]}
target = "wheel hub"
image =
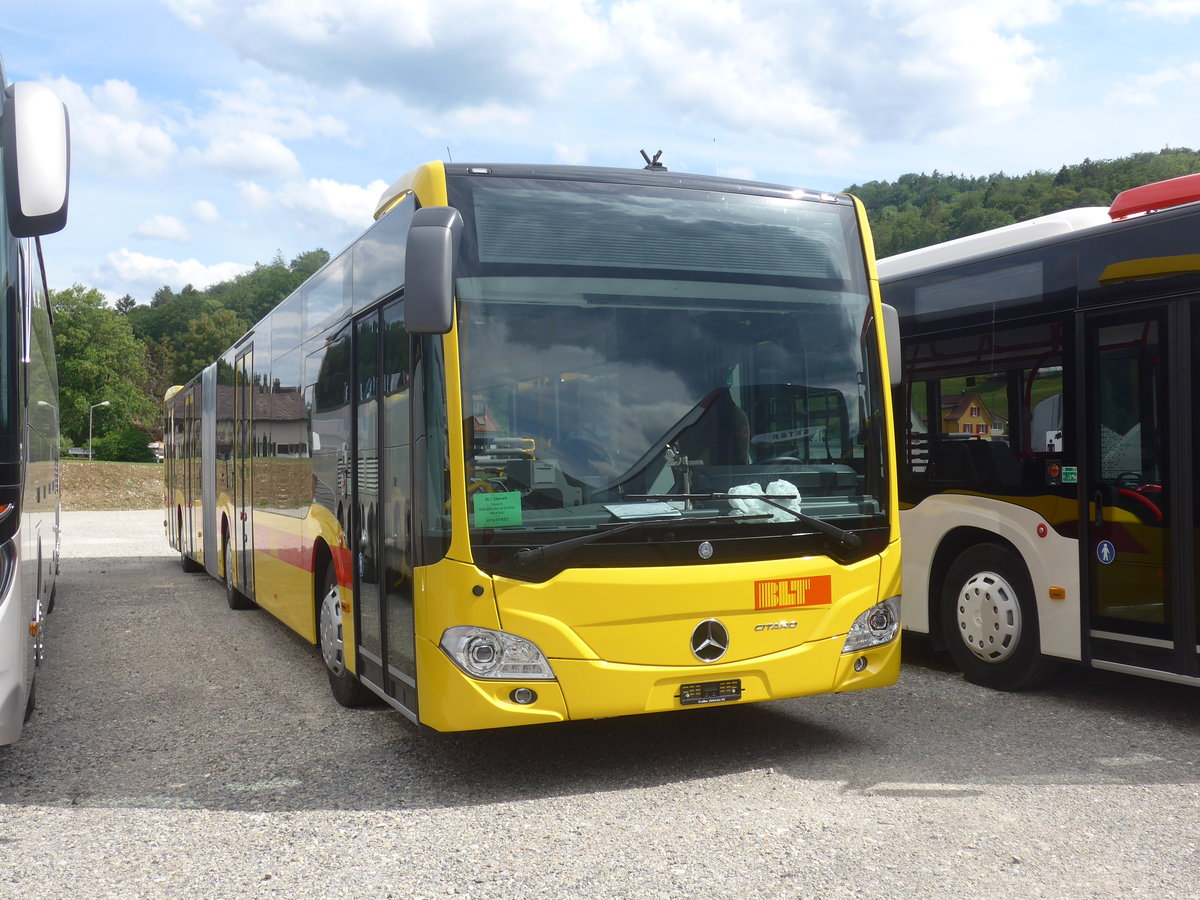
{"points": [[332, 644], [989, 617]]}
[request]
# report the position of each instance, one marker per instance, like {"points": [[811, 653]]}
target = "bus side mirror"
{"points": [[429, 270], [37, 161], [891, 341]]}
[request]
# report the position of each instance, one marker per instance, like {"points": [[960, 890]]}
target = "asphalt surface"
{"points": [[182, 749]]}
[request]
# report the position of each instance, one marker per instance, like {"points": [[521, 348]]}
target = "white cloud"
{"points": [[205, 211], [825, 77], [165, 228], [112, 132], [829, 76], [571, 154], [436, 53], [268, 108], [256, 196], [126, 271], [319, 200], [249, 153], [1175, 86], [730, 65]]}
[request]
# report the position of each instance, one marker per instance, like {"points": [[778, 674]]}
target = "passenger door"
{"points": [[243, 472], [380, 533], [1132, 502]]}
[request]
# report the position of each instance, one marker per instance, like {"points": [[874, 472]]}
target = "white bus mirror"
{"points": [[429, 270], [891, 341], [37, 163]]}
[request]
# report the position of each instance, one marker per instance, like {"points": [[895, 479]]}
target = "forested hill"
{"points": [[917, 210]]}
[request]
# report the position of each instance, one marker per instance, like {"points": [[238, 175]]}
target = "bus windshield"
{"points": [[645, 354]]}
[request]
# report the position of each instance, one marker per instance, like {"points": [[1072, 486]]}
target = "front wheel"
{"points": [[347, 689], [990, 622]]}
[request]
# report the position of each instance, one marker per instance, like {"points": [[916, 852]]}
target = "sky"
{"points": [[210, 135]]}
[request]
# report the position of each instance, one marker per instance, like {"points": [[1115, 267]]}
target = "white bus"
{"points": [[34, 146], [1050, 504]]}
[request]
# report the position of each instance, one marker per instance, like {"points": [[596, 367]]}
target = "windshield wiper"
{"points": [[848, 539], [530, 555]]}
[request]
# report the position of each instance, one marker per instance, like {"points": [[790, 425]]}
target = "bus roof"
{"points": [[658, 177], [990, 243]]}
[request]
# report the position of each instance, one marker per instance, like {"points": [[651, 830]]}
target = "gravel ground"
{"points": [[185, 750]]}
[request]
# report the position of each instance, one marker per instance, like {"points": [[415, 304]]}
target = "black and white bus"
{"points": [[1048, 458], [34, 147]]}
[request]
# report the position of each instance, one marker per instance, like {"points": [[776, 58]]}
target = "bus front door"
{"points": [[1129, 570], [380, 532]]}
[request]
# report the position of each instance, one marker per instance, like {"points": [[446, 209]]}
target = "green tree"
{"points": [[919, 209], [206, 338], [128, 443], [98, 359], [253, 294], [304, 265], [160, 367]]}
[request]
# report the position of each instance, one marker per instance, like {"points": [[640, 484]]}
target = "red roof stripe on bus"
{"points": [[1160, 195]]}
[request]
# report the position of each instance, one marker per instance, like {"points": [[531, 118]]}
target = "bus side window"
{"points": [[1046, 426]]}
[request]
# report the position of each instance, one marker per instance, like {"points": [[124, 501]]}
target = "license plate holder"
{"points": [[701, 692]]}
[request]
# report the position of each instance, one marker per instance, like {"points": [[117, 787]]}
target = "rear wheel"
{"points": [[235, 598], [989, 620], [347, 689]]}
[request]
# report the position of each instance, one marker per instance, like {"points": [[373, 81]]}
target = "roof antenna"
{"points": [[653, 165]]}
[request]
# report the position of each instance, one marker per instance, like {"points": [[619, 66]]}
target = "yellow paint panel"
{"points": [[645, 616], [619, 640], [1151, 267]]}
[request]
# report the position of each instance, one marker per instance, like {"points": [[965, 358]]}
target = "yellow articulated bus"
{"points": [[552, 443]]}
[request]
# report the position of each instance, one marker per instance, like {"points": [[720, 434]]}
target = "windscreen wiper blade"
{"points": [[529, 555], [847, 539]]}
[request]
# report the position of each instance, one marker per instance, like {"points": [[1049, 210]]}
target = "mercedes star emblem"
{"points": [[710, 640]]}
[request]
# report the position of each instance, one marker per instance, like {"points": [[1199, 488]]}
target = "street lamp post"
{"points": [[90, 409]]}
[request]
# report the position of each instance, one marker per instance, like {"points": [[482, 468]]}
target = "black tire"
{"points": [[989, 620], [189, 564], [235, 598], [347, 689]]}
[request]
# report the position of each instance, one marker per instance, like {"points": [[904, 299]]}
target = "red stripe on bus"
{"points": [[343, 566], [296, 551]]}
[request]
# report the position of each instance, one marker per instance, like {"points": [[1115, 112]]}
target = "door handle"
{"points": [[1098, 512]]}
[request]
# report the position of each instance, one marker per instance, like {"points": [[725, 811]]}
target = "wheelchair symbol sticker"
{"points": [[1106, 552]]}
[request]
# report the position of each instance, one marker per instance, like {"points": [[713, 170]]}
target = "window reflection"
{"points": [[597, 396]]}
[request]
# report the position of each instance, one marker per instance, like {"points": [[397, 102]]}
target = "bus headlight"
{"points": [[876, 626], [483, 653]]}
